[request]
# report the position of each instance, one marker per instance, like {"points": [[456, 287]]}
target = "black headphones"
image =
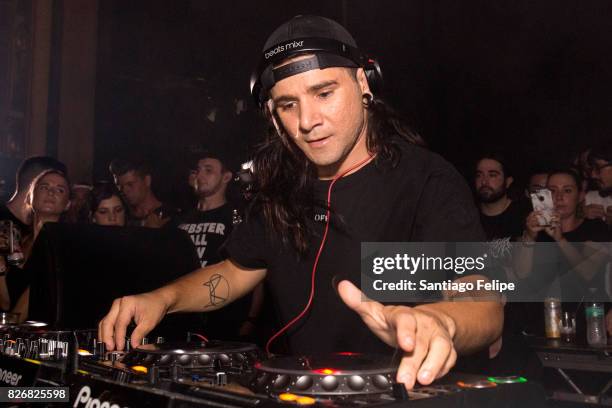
{"points": [[327, 53]]}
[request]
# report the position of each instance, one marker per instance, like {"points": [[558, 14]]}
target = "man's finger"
{"points": [[372, 313], [439, 351], [405, 325], [353, 297], [105, 327], [410, 364], [450, 363], [142, 329], [121, 323]]}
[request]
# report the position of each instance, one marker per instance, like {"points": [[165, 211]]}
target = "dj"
{"points": [[333, 141]]}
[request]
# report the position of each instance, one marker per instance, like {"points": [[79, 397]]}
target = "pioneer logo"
{"points": [[84, 397], [9, 377], [284, 47]]}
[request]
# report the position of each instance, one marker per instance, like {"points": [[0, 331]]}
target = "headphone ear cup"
{"points": [[374, 75]]}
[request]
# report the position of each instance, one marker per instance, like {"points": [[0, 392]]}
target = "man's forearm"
{"points": [[209, 288]]}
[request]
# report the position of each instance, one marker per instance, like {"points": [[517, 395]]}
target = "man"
{"points": [[79, 211], [501, 218], [335, 144], [209, 225], [537, 181], [598, 204], [134, 181]]}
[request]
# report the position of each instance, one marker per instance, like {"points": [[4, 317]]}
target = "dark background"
{"points": [[533, 77]]}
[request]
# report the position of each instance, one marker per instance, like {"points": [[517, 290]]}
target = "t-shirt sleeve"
{"points": [[249, 244], [446, 210]]}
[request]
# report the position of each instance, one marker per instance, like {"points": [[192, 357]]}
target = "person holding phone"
{"points": [[577, 237]]}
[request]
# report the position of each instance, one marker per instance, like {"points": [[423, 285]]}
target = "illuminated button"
{"points": [[512, 379], [140, 369], [281, 381], [305, 401], [84, 353], [287, 397], [477, 384], [304, 382], [356, 382], [326, 371], [380, 381], [329, 383]]}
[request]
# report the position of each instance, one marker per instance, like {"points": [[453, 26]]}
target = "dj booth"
{"points": [[76, 271]]}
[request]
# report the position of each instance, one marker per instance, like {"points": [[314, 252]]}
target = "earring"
{"points": [[367, 99]]}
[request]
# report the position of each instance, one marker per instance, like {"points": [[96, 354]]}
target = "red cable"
{"points": [[200, 337], [316, 262]]}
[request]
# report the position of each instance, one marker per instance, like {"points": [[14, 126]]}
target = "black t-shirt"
{"points": [[507, 225], [7, 215], [422, 199], [208, 230]]}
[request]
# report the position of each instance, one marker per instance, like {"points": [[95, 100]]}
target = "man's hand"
{"points": [[146, 310], [425, 335]]}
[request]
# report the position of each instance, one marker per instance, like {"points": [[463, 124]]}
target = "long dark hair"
{"points": [[284, 177]]}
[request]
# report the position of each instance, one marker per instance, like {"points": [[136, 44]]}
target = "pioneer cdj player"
{"points": [[200, 373]]}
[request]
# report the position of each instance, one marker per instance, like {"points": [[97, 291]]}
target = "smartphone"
{"points": [[542, 201]]}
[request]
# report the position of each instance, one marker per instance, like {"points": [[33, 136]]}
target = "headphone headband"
{"points": [[328, 53]]}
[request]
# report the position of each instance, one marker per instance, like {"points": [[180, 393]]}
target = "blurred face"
{"points": [[537, 182], [110, 212], [51, 195], [133, 187], [565, 193], [210, 177], [601, 173], [491, 184], [322, 112], [80, 196]]}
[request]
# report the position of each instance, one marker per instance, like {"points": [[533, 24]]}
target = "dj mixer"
{"points": [[227, 374]]}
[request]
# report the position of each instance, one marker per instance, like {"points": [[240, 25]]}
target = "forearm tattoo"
{"points": [[218, 288]]}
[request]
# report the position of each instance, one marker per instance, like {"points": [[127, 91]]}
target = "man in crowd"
{"points": [[501, 217], [133, 179], [598, 203], [209, 225], [338, 169]]}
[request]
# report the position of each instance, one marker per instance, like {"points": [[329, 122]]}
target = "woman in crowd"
{"points": [[575, 267], [49, 198], [107, 206]]}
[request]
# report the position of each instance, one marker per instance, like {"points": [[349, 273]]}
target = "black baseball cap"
{"points": [[329, 42]]}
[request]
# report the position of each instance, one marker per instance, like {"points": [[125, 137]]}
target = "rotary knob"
{"points": [[329, 383], [304, 382], [380, 381], [356, 382]]}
